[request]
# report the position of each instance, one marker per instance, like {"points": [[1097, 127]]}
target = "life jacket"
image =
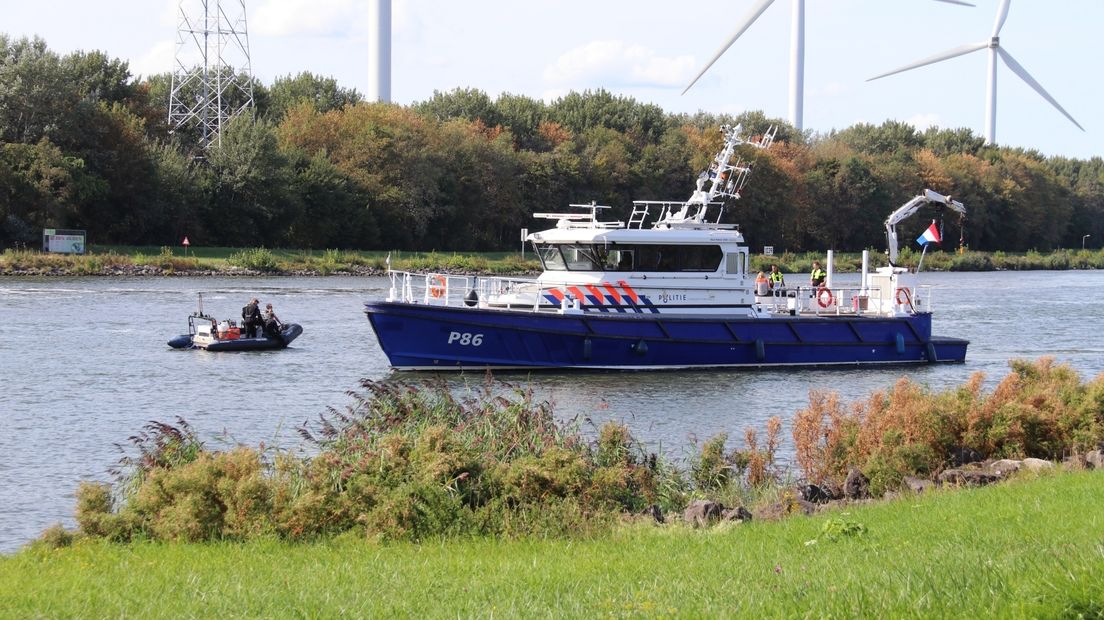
{"points": [[819, 275], [775, 276], [249, 312]]}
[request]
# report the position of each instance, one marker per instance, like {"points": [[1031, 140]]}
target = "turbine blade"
{"points": [[951, 53], [956, 2], [1018, 69], [749, 19], [1002, 14]]}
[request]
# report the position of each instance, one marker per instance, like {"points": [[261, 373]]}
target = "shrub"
{"points": [[1040, 409], [257, 259], [712, 471], [55, 537]]}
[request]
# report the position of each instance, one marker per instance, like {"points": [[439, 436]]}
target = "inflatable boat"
{"points": [[205, 332]]}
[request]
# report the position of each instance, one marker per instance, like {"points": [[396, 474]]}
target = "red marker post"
{"points": [[185, 243]]}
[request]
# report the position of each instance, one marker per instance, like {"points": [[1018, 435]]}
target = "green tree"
{"points": [[331, 213], [466, 103], [250, 202], [523, 116], [41, 187], [36, 92], [884, 139], [323, 93], [642, 123]]}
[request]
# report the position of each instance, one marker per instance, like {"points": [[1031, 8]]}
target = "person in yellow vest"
{"points": [[762, 285], [817, 277], [777, 282]]}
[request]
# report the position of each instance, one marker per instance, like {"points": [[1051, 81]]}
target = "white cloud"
{"points": [[158, 59], [923, 121], [281, 18], [615, 63]]}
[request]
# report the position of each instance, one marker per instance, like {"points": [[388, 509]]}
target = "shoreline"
{"points": [[228, 262]]}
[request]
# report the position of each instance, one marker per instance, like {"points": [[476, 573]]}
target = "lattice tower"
{"points": [[212, 80]]}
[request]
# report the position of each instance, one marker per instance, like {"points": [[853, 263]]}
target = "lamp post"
{"points": [[1083, 241]]}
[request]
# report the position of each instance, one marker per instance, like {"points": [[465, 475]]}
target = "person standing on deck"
{"points": [[818, 275], [777, 282], [251, 318]]}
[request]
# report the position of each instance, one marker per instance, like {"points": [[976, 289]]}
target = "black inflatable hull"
{"points": [[290, 332], [183, 341]]}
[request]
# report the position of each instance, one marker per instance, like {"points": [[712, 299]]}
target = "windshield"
{"points": [[550, 257]]}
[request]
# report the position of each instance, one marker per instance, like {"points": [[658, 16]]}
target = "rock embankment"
{"points": [[811, 498]]}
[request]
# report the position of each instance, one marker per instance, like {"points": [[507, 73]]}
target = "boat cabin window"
{"points": [[550, 257], [584, 256], [622, 257]]}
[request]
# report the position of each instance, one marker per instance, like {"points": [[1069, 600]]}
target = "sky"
{"points": [[650, 49]]}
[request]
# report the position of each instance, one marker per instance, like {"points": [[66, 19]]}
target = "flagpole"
{"points": [[922, 254]]}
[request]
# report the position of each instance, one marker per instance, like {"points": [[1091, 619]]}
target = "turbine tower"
{"points": [[797, 53], [995, 50], [212, 80], [379, 53]]}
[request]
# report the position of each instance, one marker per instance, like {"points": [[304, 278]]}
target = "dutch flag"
{"points": [[931, 235]]}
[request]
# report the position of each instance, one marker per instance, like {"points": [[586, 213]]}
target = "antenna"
{"points": [[212, 80]]}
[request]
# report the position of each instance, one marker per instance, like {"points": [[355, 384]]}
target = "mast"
{"points": [[724, 177]]}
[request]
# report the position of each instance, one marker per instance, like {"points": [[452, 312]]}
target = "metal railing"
{"points": [[847, 300], [506, 293]]}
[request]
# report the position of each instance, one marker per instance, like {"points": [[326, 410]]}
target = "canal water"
{"points": [[84, 365]]}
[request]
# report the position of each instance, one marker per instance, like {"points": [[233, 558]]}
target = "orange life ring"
{"points": [[437, 286], [824, 303], [907, 299]]}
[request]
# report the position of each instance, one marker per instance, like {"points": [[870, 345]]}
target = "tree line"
{"points": [[84, 144]]}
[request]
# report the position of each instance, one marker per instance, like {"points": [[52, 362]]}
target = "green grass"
{"points": [[1028, 548], [105, 259]]}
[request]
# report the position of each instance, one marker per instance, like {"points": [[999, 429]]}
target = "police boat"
{"points": [[668, 289]]}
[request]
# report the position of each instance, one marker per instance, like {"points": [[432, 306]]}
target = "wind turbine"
{"points": [[379, 52], [995, 50], [797, 52]]}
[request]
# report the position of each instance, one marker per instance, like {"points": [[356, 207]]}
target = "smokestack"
{"points": [[379, 51]]}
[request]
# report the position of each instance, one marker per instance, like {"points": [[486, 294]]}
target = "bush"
{"points": [[406, 462], [257, 259], [1041, 409]]}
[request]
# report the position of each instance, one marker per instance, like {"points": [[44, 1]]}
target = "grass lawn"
{"points": [[291, 255], [1028, 548]]}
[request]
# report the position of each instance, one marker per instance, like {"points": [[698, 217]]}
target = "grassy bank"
{"points": [[1029, 548], [140, 260]]}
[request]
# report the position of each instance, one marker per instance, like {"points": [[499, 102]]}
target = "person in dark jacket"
{"points": [[251, 318], [272, 323]]}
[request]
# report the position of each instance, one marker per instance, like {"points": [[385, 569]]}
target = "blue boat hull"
{"points": [[416, 336]]}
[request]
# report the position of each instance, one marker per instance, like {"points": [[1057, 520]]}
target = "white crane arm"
{"points": [[912, 206]]}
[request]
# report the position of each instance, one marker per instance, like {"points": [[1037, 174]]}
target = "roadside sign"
{"points": [[768, 250], [63, 241], [185, 243]]}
